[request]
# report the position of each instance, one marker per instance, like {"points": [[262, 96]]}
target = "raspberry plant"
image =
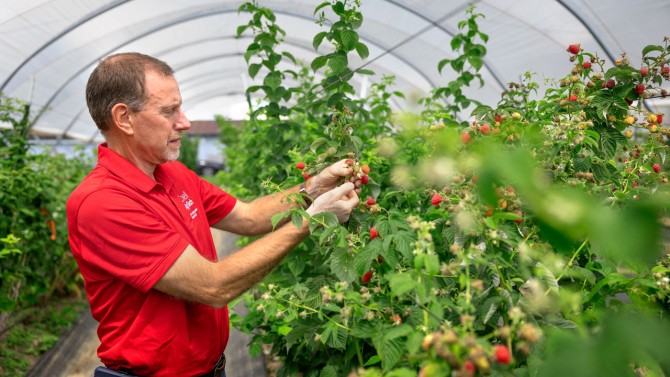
{"points": [[503, 245]]}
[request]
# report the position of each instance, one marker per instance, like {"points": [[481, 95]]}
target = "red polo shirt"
{"points": [[125, 231]]}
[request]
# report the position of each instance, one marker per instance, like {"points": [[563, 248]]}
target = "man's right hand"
{"points": [[340, 201]]}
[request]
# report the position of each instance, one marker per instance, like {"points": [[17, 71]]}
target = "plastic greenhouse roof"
{"points": [[49, 47]]}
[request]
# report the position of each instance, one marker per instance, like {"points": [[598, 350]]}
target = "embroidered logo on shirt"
{"points": [[188, 203]]}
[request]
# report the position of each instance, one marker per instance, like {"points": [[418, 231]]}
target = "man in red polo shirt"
{"points": [[139, 228]]}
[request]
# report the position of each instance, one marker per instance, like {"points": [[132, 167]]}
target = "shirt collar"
{"points": [[128, 172]]}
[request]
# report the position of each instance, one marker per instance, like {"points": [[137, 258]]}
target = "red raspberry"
{"points": [[665, 71], [574, 49], [572, 98], [366, 277], [373, 233], [349, 162], [485, 129], [644, 71], [469, 366], [497, 118], [306, 176], [465, 137], [502, 355], [300, 165], [365, 179], [436, 200], [639, 89], [659, 118], [657, 168], [586, 65], [370, 201]]}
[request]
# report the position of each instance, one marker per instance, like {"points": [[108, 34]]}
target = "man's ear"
{"points": [[122, 118]]}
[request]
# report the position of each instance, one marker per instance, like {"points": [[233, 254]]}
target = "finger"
{"points": [[353, 200], [343, 189], [341, 169]]}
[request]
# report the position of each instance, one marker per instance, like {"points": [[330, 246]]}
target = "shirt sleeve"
{"points": [[217, 202], [120, 236]]}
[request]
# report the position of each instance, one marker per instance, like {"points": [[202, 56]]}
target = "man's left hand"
{"points": [[329, 178]]}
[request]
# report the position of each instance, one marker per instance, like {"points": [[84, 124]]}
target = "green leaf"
{"points": [[401, 283], [338, 63], [241, 29], [349, 39], [328, 371], [651, 48], [373, 360], [290, 56], [368, 72], [253, 69], [284, 329], [432, 264], [318, 38], [342, 265], [297, 220], [547, 276], [390, 353], [317, 143], [441, 64], [362, 50], [319, 62], [398, 331], [476, 62], [334, 336], [321, 6], [327, 218], [364, 258], [277, 218], [272, 80]]}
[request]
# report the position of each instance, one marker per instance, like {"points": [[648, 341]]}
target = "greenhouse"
{"points": [[334, 188]]}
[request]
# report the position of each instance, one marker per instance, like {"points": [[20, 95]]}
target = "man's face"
{"points": [[159, 125]]}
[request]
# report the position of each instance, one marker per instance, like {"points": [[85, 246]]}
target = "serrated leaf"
{"points": [[328, 371], [432, 263], [284, 329], [368, 72], [342, 265], [397, 332], [317, 143], [476, 62], [560, 323], [403, 241], [490, 306], [364, 258], [547, 276], [321, 6], [318, 39], [349, 39], [401, 283], [327, 218], [253, 70], [651, 48], [373, 360], [277, 218], [600, 173], [338, 63], [390, 353], [241, 29], [319, 62], [362, 50], [334, 336]]}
